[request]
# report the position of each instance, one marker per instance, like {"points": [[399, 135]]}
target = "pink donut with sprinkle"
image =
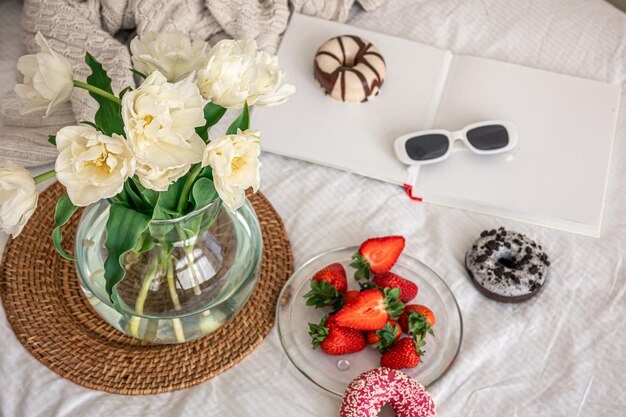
{"points": [[368, 392]]}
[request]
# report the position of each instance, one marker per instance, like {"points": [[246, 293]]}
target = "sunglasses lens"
{"points": [[426, 147], [488, 138]]}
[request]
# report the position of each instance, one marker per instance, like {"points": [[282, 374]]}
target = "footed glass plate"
{"points": [[334, 373]]}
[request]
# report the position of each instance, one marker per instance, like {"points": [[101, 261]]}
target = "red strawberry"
{"points": [[370, 310], [401, 355], [335, 340], [349, 296], [408, 290], [384, 338], [335, 275], [420, 310], [327, 287], [377, 255]]}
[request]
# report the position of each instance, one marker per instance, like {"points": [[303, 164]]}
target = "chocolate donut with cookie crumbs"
{"points": [[507, 266], [349, 68]]}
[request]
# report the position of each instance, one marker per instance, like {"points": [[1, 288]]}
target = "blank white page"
{"points": [[356, 137], [559, 171]]}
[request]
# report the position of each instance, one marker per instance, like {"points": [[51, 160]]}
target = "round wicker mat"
{"points": [[55, 323]]}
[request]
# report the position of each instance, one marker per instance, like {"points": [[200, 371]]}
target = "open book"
{"points": [[557, 176]]}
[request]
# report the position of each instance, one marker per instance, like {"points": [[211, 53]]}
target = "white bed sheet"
{"points": [[562, 353]]}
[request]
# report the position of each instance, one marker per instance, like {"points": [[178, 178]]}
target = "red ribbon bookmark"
{"points": [[409, 192]]}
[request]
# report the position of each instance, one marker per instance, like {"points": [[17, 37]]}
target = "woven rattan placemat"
{"points": [[54, 321]]}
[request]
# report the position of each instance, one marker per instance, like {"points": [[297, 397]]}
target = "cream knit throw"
{"points": [[105, 27]]}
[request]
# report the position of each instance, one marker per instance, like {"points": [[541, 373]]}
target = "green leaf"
{"points": [[206, 172], [212, 114], [242, 122], [145, 242], [63, 212], [121, 198], [88, 123], [150, 196], [167, 203], [109, 116], [139, 73], [124, 91], [135, 197], [202, 193], [52, 139], [124, 228]]}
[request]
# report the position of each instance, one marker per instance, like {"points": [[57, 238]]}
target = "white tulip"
{"points": [[237, 72], [91, 165], [48, 79], [160, 120], [234, 160], [269, 88], [159, 179], [229, 74], [171, 53], [18, 198]]}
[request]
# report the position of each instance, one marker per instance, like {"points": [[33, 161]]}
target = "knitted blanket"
{"points": [[105, 28]]}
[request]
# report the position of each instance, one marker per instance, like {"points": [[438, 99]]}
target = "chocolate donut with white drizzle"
{"points": [[349, 68]]}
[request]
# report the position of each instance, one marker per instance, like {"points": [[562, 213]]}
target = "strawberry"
{"points": [[327, 287], [335, 340], [409, 310], [401, 355], [416, 321], [384, 338], [377, 255], [370, 310], [349, 296], [335, 275], [408, 290]]}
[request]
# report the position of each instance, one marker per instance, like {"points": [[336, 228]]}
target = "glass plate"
{"points": [[334, 373]]}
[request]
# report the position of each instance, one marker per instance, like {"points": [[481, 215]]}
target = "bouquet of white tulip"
{"points": [[148, 150]]}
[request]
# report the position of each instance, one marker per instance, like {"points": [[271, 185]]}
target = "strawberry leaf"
{"points": [[393, 305], [387, 337], [362, 267], [318, 332], [323, 294], [367, 285], [418, 327]]}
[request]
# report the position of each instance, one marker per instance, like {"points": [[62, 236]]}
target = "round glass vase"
{"points": [[192, 275]]}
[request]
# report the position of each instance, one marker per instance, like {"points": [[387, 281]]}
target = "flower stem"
{"points": [[97, 91], [171, 284], [178, 330], [188, 249], [141, 298], [192, 268], [184, 195], [45, 176]]}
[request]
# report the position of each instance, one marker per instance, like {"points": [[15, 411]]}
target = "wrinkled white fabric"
{"points": [[561, 354]]}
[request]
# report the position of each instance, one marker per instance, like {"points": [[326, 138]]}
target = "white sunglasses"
{"points": [[430, 146]]}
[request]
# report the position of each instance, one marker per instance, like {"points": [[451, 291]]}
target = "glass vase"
{"points": [[190, 276]]}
